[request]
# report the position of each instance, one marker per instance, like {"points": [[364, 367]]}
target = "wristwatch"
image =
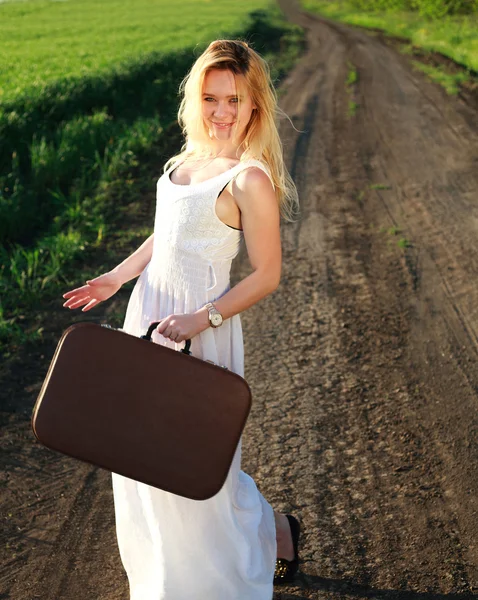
{"points": [[215, 317]]}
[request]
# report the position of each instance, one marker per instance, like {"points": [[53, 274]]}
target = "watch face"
{"points": [[216, 319]]}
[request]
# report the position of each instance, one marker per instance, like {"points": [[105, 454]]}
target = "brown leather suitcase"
{"points": [[142, 410]]}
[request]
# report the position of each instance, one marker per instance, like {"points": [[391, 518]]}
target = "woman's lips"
{"points": [[222, 125]]}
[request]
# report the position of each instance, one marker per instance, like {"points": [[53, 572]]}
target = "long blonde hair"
{"points": [[261, 140]]}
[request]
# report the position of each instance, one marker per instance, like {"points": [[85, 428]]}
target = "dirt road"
{"points": [[363, 365]]}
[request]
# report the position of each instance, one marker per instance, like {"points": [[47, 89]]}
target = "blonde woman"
{"points": [[228, 183]]}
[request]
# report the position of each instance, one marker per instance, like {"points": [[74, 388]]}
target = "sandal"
{"points": [[286, 569]]}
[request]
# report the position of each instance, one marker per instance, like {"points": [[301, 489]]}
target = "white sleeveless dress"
{"points": [[171, 547]]}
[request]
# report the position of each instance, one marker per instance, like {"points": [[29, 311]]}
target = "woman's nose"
{"points": [[221, 109]]}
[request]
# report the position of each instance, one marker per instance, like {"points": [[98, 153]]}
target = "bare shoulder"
{"points": [[252, 184], [253, 177]]}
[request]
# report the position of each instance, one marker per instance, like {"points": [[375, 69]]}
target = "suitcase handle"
{"points": [[149, 333]]}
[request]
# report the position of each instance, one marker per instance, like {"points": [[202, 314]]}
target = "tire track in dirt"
{"points": [[371, 418], [67, 524]]}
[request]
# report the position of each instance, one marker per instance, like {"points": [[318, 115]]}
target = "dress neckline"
{"points": [[185, 185]]}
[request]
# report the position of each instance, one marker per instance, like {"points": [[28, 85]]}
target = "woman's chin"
{"points": [[222, 134]]}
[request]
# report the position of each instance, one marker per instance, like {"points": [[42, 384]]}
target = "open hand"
{"points": [[95, 291]]}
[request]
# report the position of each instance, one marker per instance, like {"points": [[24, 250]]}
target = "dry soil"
{"points": [[363, 364]]}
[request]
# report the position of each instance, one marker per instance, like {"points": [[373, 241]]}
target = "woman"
{"points": [[229, 182]]}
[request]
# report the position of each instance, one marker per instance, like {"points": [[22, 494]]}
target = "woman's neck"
{"points": [[225, 149]]}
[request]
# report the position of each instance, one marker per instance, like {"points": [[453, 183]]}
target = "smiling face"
{"points": [[224, 116]]}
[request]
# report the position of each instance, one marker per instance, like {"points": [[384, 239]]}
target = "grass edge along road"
{"points": [[453, 36], [31, 275]]}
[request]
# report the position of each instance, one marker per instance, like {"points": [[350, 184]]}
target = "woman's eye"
{"points": [[209, 99]]}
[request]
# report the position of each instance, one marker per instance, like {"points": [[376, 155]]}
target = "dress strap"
{"points": [[173, 166], [225, 178]]}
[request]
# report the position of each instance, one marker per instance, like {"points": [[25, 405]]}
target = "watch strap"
{"points": [[212, 310]]}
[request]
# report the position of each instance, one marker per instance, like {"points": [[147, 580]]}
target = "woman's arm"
{"points": [[260, 219], [103, 287], [135, 264]]}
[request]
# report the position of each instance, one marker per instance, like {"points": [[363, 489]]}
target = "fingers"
{"points": [[76, 301], [161, 328], [168, 329], [83, 288], [90, 305], [79, 290], [174, 336]]}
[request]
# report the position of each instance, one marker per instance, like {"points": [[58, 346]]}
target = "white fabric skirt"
{"points": [[173, 548]]}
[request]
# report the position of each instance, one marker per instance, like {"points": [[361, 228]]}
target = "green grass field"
{"points": [[454, 36], [89, 94], [44, 40]]}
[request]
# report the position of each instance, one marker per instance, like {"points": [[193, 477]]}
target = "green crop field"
{"points": [[45, 40], [88, 98]]}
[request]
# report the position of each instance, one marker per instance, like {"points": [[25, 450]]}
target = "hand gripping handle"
{"points": [[149, 333]]}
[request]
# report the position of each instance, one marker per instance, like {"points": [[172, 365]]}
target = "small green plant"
{"points": [[403, 243], [350, 83], [393, 230], [352, 76], [407, 49], [13, 334], [352, 108], [380, 186]]}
